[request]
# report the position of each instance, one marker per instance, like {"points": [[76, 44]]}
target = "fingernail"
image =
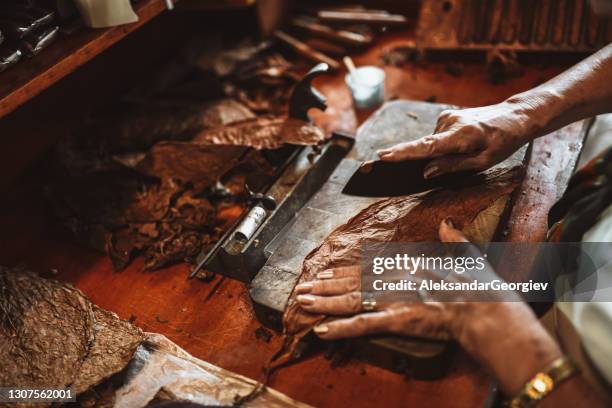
{"points": [[449, 223], [304, 288], [383, 152], [306, 299], [321, 329], [325, 275], [431, 171]]}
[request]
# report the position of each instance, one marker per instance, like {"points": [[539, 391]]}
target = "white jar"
{"points": [[106, 13]]}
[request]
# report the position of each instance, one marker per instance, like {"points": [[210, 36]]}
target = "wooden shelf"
{"points": [[32, 76]]}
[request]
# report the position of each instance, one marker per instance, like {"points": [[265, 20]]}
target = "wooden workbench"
{"points": [[215, 322]]}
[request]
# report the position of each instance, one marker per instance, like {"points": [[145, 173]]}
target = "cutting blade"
{"points": [[389, 179]]}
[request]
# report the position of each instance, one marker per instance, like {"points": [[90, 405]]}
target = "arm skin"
{"points": [[581, 92], [505, 337], [477, 138]]}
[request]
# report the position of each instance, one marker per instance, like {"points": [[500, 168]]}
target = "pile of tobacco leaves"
{"points": [[161, 173], [51, 335]]}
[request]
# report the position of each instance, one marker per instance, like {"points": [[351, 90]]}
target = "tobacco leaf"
{"points": [[124, 213], [51, 335], [403, 219], [134, 187], [263, 84], [125, 216], [115, 200], [162, 371], [182, 245], [200, 164], [193, 212], [110, 139], [253, 170], [260, 79], [263, 132], [122, 245], [213, 152]]}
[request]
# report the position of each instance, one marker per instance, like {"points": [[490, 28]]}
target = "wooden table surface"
{"points": [[214, 321]]}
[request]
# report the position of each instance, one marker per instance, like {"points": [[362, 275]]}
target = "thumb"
{"points": [[448, 233]]}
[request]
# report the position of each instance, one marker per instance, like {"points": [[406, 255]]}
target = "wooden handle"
{"points": [[306, 51], [342, 36], [350, 66], [362, 17]]}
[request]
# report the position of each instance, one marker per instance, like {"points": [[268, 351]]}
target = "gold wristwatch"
{"points": [[544, 382]]}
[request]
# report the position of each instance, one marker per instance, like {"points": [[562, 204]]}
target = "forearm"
{"points": [[510, 342], [582, 91], [519, 349]]}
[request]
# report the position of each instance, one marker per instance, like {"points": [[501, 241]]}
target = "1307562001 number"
{"points": [[20, 394]]}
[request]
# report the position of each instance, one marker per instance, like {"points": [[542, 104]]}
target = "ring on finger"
{"points": [[368, 303]]}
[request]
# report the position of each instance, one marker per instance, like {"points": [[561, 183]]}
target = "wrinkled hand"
{"points": [[468, 139], [338, 292], [505, 337]]}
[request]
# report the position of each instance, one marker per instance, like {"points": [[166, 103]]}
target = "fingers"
{"points": [[330, 287], [340, 272], [348, 303], [366, 323], [423, 320], [434, 145], [448, 233], [455, 163]]}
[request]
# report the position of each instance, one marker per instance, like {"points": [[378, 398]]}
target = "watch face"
{"points": [[541, 385]]}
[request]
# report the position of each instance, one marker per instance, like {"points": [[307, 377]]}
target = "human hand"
{"points": [[338, 292], [505, 337], [469, 139]]}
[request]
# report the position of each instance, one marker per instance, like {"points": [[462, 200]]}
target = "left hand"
{"points": [[337, 292], [505, 337]]}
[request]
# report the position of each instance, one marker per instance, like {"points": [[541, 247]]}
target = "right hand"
{"points": [[504, 336], [468, 139]]}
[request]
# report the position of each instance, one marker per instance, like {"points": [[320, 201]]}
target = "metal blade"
{"points": [[389, 179]]}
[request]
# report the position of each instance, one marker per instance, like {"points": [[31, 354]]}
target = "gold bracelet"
{"points": [[544, 382]]}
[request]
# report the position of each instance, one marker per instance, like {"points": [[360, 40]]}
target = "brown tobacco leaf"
{"points": [[51, 335], [201, 164], [125, 216], [213, 152], [263, 132], [192, 212], [186, 228], [110, 142], [162, 371], [403, 219], [253, 170], [263, 84], [114, 201], [177, 246], [135, 188]]}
